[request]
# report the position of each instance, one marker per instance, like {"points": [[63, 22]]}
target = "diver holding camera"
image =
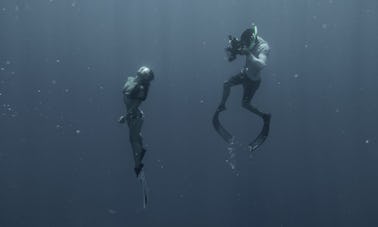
{"points": [[256, 51]]}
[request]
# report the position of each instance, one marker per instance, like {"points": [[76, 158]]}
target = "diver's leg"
{"points": [[234, 80], [250, 87], [136, 142], [140, 138]]}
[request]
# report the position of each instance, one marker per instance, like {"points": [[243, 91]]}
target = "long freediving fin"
{"points": [[143, 181], [220, 129], [260, 139]]}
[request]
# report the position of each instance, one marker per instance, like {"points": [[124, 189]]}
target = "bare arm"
{"points": [[259, 61]]}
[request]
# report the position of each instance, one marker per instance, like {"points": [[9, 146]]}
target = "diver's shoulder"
{"points": [[130, 84], [263, 45], [262, 42]]}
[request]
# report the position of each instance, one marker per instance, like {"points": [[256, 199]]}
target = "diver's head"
{"points": [[249, 36], [145, 74]]}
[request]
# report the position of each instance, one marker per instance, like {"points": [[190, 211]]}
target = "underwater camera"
{"points": [[234, 48]]}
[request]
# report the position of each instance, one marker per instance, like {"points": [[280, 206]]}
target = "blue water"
{"points": [[65, 161]]}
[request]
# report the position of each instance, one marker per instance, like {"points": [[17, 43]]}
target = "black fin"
{"points": [[143, 182], [221, 130], [138, 169], [260, 139]]}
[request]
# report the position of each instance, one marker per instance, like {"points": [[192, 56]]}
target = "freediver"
{"points": [[135, 91], [256, 51]]}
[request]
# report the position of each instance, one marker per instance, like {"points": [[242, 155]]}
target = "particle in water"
{"points": [[111, 211], [367, 141], [296, 75], [78, 131]]}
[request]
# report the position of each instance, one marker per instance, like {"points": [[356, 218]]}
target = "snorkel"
{"points": [[249, 36], [254, 35]]}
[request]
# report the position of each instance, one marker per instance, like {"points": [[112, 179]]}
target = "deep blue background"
{"points": [[64, 160]]}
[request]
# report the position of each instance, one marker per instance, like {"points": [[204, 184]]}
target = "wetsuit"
{"points": [[134, 93]]}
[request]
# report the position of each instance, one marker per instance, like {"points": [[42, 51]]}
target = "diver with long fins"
{"points": [[135, 91], [256, 51]]}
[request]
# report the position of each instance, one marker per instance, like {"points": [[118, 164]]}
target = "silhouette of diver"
{"points": [[135, 91], [256, 51]]}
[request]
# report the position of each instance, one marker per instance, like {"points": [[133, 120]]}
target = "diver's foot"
{"points": [[138, 169], [221, 107], [122, 119], [266, 118]]}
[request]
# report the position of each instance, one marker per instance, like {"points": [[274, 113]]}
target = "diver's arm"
{"points": [[259, 61], [134, 106], [136, 97], [142, 92]]}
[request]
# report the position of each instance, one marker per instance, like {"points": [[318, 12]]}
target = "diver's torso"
{"points": [[132, 108], [253, 72], [133, 95]]}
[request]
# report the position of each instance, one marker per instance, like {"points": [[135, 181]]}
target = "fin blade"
{"points": [[221, 130]]}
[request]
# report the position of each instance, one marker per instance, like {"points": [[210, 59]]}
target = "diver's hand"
{"points": [[122, 119], [245, 51]]}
